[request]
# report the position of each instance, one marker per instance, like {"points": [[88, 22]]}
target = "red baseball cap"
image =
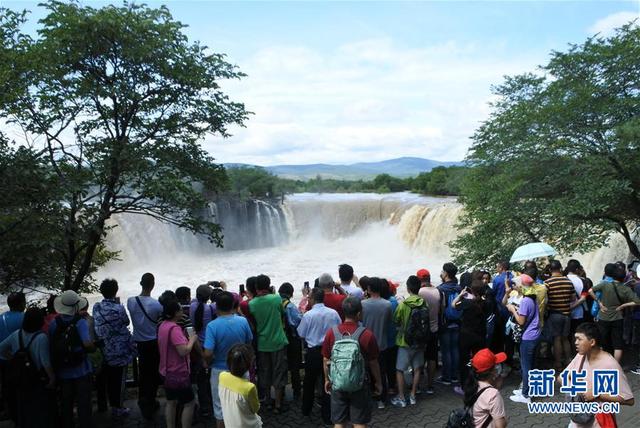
{"points": [[484, 360], [423, 273]]}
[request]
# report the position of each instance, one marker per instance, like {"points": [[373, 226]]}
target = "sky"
{"points": [[344, 82]]}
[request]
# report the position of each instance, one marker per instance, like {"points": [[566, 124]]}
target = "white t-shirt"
{"points": [[353, 290], [578, 311]]}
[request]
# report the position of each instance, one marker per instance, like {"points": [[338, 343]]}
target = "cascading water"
{"points": [[383, 235]]}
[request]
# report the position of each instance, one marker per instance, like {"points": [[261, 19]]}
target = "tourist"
{"points": [[410, 355], [432, 296], [590, 356], [225, 331], [480, 390], [250, 293], [201, 314], [145, 312], [29, 389], [334, 293], [449, 330], [391, 353], [560, 297], [526, 315], [577, 313], [238, 396], [614, 299], [266, 309], [353, 406], [312, 329], [174, 349], [70, 361], [183, 294], [11, 321], [118, 348], [291, 321], [473, 325], [349, 281], [501, 286], [51, 313], [376, 315]]}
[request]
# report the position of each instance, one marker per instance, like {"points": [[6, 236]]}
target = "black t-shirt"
{"points": [[474, 316]]}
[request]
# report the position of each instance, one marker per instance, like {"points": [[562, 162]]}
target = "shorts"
{"points": [[431, 350], [272, 369], [354, 407], [611, 332], [559, 324], [182, 395], [409, 358]]}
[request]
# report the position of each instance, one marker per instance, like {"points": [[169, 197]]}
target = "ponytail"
{"points": [[198, 320]]}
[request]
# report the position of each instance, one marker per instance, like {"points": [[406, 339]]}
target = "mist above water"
{"points": [[391, 236]]}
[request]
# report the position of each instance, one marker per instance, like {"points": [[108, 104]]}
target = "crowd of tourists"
{"points": [[360, 342]]}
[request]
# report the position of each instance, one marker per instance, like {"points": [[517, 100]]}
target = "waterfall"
{"points": [[416, 230]]}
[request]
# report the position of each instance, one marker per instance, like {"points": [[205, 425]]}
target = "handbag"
{"points": [[177, 379], [581, 418]]}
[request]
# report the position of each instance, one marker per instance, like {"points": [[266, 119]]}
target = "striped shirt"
{"points": [[560, 294]]}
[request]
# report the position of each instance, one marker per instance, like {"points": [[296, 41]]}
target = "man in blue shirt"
{"points": [[313, 328], [226, 330], [145, 312], [502, 283], [11, 320], [291, 320], [75, 380]]}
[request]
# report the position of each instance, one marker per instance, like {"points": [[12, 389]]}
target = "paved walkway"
{"points": [[430, 411]]}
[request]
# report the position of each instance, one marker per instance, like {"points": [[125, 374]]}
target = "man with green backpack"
{"points": [[347, 350]]}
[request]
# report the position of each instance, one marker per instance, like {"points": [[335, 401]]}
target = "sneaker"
{"points": [[429, 390], [380, 405], [635, 370], [398, 402], [443, 381], [458, 390], [517, 392], [520, 399], [412, 400], [455, 380]]}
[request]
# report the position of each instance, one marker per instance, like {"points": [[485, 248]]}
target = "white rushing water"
{"points": [[389, 235]]}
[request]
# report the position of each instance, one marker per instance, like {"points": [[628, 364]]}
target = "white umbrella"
{"points": [[532, 251]]}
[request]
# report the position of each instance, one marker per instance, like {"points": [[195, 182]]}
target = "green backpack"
{"points": [[347, 370]]}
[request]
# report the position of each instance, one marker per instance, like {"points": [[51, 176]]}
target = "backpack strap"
{"points": [[356, 334], [336, 333], [144, 310], [479, 393], [21, 340]]}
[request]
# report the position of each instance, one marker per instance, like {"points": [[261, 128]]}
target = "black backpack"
{"points": [[290, 331], [67, 349], [463, 417], [22, 373], [418, 331]]}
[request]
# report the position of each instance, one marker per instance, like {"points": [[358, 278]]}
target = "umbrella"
{"points": [[532, 251]]}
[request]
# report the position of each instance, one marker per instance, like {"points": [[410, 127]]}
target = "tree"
{"points": [[119, 99], [557, 160]]}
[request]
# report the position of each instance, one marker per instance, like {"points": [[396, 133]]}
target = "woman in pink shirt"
{"points": [[175, 347], [481, 392]]}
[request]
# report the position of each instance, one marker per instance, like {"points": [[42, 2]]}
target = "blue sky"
{"points": [[341, 82]]}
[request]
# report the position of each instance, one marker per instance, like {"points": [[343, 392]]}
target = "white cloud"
{"points": [[365, 100], [606, 25]]}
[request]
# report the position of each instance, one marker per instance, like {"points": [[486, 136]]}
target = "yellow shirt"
{"points": [[239, 400]]}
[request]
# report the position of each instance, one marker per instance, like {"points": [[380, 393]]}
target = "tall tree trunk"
{"points": [[633, 247]]}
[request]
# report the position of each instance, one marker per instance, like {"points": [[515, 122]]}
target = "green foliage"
{"points": [[118, 99], [259, 183], [557, 160]]}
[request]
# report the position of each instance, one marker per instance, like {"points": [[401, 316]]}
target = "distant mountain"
{"points": [[400, 167]]}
